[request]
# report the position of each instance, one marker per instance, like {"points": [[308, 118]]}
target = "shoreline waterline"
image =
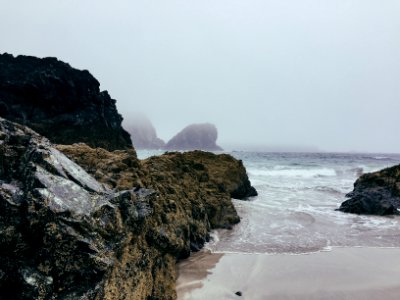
{"points": [[342, 273]]}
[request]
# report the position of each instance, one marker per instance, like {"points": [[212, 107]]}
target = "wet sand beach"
{"points": [[343, 273]]}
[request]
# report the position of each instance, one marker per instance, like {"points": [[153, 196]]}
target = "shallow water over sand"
{"points": [[295, 209]]}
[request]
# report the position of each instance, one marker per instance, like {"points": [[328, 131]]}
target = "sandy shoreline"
{"points": [[343, 273]]}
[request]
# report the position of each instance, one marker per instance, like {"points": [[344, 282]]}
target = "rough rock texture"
{"points": [[194, 188], [60, 102], [62, 234], [225, 172], [66, 235], [143, 133], [119, 169], [195, 137], [375, 193], [113, 234]]}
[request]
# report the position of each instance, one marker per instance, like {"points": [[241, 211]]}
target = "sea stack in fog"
{"points": [[142, 131], [195, 137], [375, 193]]}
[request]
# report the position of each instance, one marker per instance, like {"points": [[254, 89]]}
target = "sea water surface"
{"points": [[294, 212]]}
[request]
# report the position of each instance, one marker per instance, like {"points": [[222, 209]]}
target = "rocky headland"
{"points": [[79, 222], [375, 193], [60, 102], [143, 133], [195, 137]]}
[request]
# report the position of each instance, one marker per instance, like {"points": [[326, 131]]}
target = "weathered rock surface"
{"points": [[375, 193], [62, 103], [194, 188], [143, 133], [224, 171], [67, 235], [61, 232], [195, 137], [91, 229]]}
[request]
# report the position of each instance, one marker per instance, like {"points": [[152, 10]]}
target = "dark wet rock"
{"points": [[60, 229], [143, 133], [60, 102], [67, 235], [195, 137], [375, 193], [238, 293]]}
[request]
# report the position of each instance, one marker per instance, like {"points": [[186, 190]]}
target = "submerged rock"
{"points": [[60, 102], [375, 193], [195, 137]]}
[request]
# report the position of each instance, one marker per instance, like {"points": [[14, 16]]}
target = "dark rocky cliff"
{"points": [[375, 193], [60, 102], [195, 137]]}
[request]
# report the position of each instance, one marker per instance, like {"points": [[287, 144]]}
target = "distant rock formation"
{"points": [[375, 193], [195, 137], [60, 102], [143, 133]]}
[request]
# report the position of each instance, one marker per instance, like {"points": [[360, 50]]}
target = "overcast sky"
{"points": [[304, 73]]}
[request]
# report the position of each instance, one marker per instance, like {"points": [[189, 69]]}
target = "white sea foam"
{"points": [[295, 213], [304, 173]]}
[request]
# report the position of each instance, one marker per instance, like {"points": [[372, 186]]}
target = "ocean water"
{"points": [[294, 212]]}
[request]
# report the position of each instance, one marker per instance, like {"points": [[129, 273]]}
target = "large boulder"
{"points": [[224, 171], [60, 102], [194, 189], [61, 232], [143, 133], [67, 235], [195, 137], [375, 193]]}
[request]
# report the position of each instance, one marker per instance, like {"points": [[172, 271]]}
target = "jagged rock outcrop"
{"points": [[106, 226], [60, 102], [61, 232], [195, 188], [224, 171], [66, 235], [195, 137], [143, 133], [375, 193]]}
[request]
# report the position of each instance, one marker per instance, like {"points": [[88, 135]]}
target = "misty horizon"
{"points": [[269, 74]]}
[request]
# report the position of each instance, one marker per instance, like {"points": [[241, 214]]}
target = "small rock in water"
{"points": [[238, 293]]}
